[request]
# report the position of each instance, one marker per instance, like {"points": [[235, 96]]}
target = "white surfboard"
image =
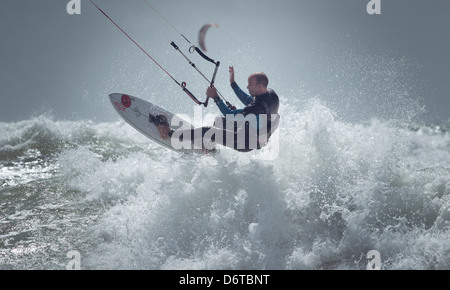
{"points": [[136, 111]]}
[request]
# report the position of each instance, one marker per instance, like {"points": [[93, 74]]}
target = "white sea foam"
{"points": [[335, 191]]}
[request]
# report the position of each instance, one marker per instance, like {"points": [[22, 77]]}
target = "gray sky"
{"points": [[359, 64]]}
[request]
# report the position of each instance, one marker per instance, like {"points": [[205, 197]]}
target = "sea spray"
{"points": [[336, 191]]}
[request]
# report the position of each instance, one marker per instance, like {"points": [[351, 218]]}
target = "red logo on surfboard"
{"points": [[126, 101], [120, 107]]}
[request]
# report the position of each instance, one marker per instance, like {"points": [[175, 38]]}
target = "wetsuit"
{"points": [[245, 129]]}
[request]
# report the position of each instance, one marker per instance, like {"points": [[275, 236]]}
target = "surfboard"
{"points": [[136, 112]]}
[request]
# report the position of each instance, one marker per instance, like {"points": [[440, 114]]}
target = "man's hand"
{"points": [[231, 70], [211, 92]]}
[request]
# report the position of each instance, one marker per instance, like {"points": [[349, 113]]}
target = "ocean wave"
{"points": [[333, 192]]}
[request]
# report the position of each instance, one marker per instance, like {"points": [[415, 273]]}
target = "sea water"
{"points": [[333, 191]]}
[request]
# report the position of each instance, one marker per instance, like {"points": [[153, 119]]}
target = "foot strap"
{"points": [[163, 125], [158, 120]]}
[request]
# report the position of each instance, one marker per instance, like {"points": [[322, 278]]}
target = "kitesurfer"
{"points": [[240, 129]]}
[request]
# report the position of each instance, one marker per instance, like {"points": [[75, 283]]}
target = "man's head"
{"points": [[257, 84]]}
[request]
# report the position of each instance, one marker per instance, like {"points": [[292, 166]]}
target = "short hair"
{"points": [[261, 79]]}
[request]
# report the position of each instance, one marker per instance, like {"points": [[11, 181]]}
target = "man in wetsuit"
{"points": [[243, 129], [261, 103]]}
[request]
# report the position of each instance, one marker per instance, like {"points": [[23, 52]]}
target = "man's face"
{"points": [[252, 87]]}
